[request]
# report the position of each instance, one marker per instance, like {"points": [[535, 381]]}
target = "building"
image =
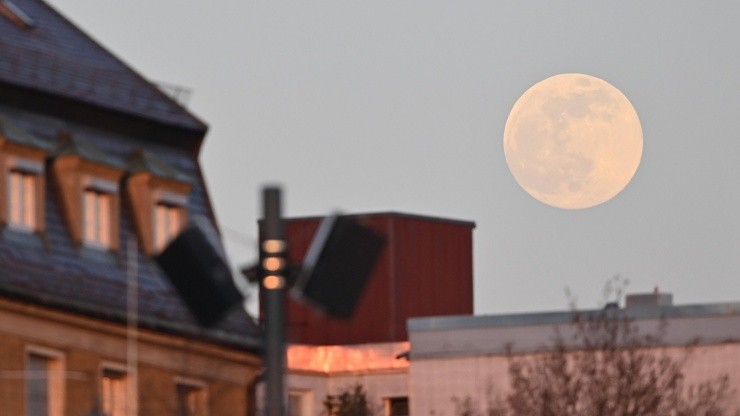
{"points": [[425, 268], [468, 356], [98, 170], [316, 371], [452, 358], [443, 356]]}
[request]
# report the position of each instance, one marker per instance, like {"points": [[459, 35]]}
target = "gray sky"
{"points": [[380, 106]]}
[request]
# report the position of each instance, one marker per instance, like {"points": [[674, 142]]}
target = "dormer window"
{"points": [[23, 187], [158, 195], [21, 179], [88, 189], [169, 218], [98, 213]]}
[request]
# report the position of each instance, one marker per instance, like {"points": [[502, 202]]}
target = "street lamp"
{"points": [[341, 257]]}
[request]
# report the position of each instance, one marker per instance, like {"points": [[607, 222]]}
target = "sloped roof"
{"points": [[85, 293], [69, 145], [55, 57], [145, 161], [51, 270], [9, 130]]}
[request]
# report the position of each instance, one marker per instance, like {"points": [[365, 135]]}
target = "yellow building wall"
{"points": [[87, 346], [11, 384]]}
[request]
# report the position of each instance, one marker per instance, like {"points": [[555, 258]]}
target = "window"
{"points": [[168, 220], [24, 194], [22, 188], [87, 182], [397, 406], [97, 218], [299, 403], [158, 198], [98, 201], [191, 399], [21, 178], [113, 386], [44, 385]]}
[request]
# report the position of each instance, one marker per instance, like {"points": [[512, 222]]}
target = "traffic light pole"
{"points": [[272, 263]]}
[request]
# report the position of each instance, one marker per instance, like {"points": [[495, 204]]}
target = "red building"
{"points": [[425, 269]]}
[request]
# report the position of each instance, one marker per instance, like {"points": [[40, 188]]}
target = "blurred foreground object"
{"points": [[337, 265], [200, 274]]}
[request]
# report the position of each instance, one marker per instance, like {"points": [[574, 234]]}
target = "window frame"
{"points": [[55, 361], [29, 163], [23, 209], [73, 176], [104, 196], [388, 403], [145, 192], [196, 387], [123, 375], [305, 397], [175, 205]]}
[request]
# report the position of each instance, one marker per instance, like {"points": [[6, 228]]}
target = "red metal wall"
{"points": [[425, 269]]}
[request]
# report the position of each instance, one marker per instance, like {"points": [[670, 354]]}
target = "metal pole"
{"points": [[273, 282]]}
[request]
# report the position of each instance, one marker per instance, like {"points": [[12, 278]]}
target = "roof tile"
{"points": [[56, 57]]}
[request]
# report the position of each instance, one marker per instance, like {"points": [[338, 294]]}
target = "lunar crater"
{"points": [[573, 141]]}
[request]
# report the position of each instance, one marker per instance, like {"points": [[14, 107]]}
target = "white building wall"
{"points": [[709, 361], [377, 385], [434, 382], [315, 371], [467, 358]]}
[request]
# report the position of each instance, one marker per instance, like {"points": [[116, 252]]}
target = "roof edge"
{"points": [[221, 338], [74, 110], [194, 119], [396, 214], [434, 323]]}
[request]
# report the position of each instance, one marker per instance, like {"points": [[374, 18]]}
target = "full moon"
{"points": [[573, 141]]}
